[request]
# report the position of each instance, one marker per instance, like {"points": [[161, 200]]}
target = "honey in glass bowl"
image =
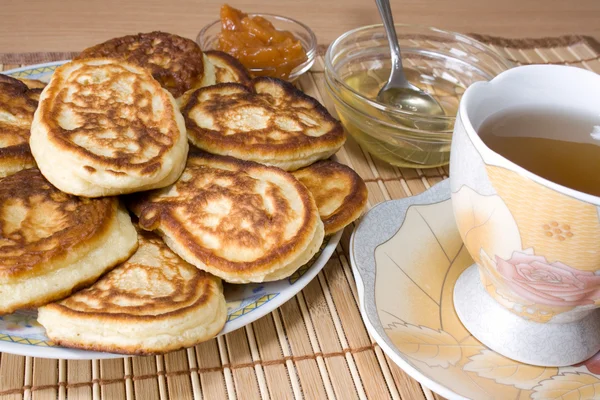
{"points": [[446, 92], [443, 64]]}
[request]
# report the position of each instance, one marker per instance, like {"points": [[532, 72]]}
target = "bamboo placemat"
{"points": [[315, 346]]}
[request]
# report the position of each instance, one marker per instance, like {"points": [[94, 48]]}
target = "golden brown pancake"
{"points": [[340, 193], [219, 67], [105, 127], [52, 243], [10, 80], [152, 303], [227, 68], [241, 221], [35, 86], [33, 83], [17, 106], [174, 61], [270, 122]]}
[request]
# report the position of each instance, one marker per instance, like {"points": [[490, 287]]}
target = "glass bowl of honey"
{"points": [[253, 46], [441, 63]]}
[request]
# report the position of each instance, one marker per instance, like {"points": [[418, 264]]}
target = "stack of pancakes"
{"points": [[245, 203], [17, 105]]}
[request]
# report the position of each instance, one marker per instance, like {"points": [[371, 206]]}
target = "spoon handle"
{"points": [[385, 11]]}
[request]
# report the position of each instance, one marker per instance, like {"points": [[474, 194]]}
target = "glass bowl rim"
{"points": [[385, 107], [311, 51]]}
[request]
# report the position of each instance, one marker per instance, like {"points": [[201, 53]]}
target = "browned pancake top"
{"points": [[17, 106], [227, 68], [222, 209], [105, 112], [33, 83], [40, 223], [154, 282], [174, 61], [269, 116], [340, 193]]}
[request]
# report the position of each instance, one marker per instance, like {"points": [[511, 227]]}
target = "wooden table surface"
{"points": [[70, 25]]}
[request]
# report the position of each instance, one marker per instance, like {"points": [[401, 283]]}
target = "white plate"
{"points": [[21, 334], [406, 256]]}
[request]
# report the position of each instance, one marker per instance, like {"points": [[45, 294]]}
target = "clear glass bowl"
{"points": [[208, 36], [444, 64]]}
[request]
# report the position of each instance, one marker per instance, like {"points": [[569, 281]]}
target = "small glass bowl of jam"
{"points": [[268, 60], [441, 63]]}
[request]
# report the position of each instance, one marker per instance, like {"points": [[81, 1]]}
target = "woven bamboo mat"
{"points": [[315, 346]]}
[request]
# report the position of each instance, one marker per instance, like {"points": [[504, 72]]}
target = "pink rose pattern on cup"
{"points": [[534, 279], [592, 364]]}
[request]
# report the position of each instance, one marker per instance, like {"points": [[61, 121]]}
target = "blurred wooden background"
{"points": [[70, 25]]}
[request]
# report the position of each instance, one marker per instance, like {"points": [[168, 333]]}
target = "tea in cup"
{"points": [[525, 180]]}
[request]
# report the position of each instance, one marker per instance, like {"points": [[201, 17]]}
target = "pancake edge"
{"points": [[144, 337], [107, 254]]}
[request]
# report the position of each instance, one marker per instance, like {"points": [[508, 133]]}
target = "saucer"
{"points": [[406, 256]]}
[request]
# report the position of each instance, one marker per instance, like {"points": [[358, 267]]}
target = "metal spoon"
{"points": [[398, 92]]}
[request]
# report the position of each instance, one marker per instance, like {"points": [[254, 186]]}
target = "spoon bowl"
{"points": [[411, 99], [398, 91], [416, 101], [444, 64]]}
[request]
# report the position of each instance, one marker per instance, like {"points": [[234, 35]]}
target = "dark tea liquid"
{"points": [[561, 146]]}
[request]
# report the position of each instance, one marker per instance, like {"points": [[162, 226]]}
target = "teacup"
{"points": [[536, 243]]}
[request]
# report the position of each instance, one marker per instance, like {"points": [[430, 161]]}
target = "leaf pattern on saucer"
{"points": [[422, 240], [568, 386], [489, 364], [434, 347], [415, 273]]}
